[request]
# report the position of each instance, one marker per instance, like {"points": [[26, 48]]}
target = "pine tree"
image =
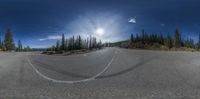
{"points": [[8, 41], [198, 46], [131, 39], [79, 42], [1, 45], [143, 36], [73, 43], [189, 43], [53, 48], [66, 44], [62, 47], [161, 39], [168, 41], [87, 43], [146, 38], [57, 46], [90, 42], [100, 44], [155, 37], [192, 43], [28, 48], [20, 47], [137, 39], [94, 41], [177, 39], [70, 44]]}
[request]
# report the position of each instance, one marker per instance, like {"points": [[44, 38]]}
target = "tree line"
{"points": [[7, 43], [145, 40], [76, 43]]}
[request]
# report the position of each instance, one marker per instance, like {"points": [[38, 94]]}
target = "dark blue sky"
{"points": [[39, 23]]}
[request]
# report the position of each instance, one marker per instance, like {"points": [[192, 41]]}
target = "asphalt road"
{"points": [[111, 73]]}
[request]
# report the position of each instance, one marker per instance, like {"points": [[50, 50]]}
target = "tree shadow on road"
{"points": [[139, 64]]}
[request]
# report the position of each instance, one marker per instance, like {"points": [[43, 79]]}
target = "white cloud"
{"points": [[51, 37], [132, 20]]}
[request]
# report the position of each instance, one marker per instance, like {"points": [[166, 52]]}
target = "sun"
{"points": [[100, 31]]}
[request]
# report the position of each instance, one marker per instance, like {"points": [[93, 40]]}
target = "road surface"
{"points": [[111, 73]]}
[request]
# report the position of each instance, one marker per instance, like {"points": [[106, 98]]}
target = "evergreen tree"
{"points": [[137, 39], [87, 43], [27, 48], [1, 47], [161, 39], [20, 47], [131, 39], [177, 39], [70, 44], [100, 44], [53, 48], [76, 46], [62, 47], [155, 38], [189, 43], [66, 44], [198, 46], [94, 42], [57, 46], [192, 43], [90, 42], [79, 42], [168, 41], [73, 43], [146, 38], [8, 41]]}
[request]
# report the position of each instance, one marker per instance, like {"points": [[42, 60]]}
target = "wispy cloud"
{"points": [[51, 37], [54, 37], [132, 20], [42, 39], [162, 24]]}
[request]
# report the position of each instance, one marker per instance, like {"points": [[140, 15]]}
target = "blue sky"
{"points": [[39, 23]]}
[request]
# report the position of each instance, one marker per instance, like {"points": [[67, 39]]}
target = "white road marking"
{"points": [[84, 54], [70, 82]]}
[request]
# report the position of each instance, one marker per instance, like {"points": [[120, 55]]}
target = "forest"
{"points": [[76, 43], [146, 40], [141, 40], [7, 43]]}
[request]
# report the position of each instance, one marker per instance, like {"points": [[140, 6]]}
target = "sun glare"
{"points": [[100, 31]]}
